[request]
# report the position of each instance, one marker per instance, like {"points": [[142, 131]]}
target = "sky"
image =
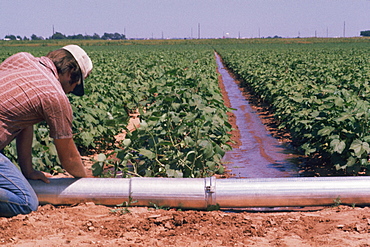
{"points": [[186, 18]]}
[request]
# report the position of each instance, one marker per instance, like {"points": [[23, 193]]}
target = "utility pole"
{"points": [[198, 30], [344, 29]]}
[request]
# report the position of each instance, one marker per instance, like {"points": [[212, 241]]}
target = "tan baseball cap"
{"points": [[85, 64]]}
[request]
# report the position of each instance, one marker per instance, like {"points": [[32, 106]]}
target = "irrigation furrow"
{"points": [[259, 155]]}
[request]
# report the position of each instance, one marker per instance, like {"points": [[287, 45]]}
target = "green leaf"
{"points": [[351, 161], [308, 149], [149, 154], [165, 143], [143, 125], [343, 117], [359, 147], [337, 145], [211, 165], [325, 131], [172, 173], [97, 169], [101, 157], [221, 169], [367, 139], [126, 142], [338, 101]]}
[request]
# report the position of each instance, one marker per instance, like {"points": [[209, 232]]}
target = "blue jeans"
{"points": [[16, 194]]}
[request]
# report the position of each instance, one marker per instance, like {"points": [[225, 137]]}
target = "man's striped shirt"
{"points": [[30, 92]]}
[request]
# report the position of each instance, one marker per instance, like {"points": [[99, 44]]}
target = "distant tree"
{"points": [[113, 36], [96, 36], [11, 37], [58, 35], [117, 36], [365, 33], [78, 36], [35, 37], [107, 36], [275, 37]]}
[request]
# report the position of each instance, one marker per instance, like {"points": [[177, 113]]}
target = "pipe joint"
{"points": [[210, 191]]}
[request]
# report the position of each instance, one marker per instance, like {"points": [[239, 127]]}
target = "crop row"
{"points": [[319, 93]]}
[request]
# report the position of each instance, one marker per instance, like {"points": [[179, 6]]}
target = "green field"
{"points": [[318, 89]]}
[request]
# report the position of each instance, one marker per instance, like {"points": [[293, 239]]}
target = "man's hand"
{"points": [[37, 175]]}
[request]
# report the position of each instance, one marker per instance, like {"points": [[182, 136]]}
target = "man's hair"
{"points": [[65, 62]]}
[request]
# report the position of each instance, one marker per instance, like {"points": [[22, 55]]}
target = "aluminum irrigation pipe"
{"points": [[200, 193]]}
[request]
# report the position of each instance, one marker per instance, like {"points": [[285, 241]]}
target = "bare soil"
{"points": [[95, 225]]}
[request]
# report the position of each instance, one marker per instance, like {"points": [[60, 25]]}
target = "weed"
{"points": [[123, 208], [213, 207], [337, 202], [159, 207]]}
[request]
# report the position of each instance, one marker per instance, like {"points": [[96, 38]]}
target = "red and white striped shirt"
{"points": [[30, 92]]}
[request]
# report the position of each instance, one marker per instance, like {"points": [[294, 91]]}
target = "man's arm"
{"points": [[70, 157], [24, 151]]}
